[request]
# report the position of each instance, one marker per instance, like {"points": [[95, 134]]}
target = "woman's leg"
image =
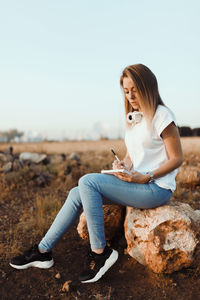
{"points": [[69, 212], [33, 257], [88, 195], [93, 186]]}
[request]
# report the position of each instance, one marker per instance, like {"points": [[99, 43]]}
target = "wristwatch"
{"points": [[151, 177]]}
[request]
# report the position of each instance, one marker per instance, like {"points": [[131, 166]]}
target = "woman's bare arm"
{"points": [[171, 139]]}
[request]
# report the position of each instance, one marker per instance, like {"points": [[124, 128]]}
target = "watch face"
{"points": [[151, 177]]}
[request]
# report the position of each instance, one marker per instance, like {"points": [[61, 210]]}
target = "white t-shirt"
{"points": [[146, 148]]}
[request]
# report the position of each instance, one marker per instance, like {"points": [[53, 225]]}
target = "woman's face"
{"points": [[131, 93]]}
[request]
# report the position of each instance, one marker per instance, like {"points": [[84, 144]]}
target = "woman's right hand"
{"points": [[118, 165]]}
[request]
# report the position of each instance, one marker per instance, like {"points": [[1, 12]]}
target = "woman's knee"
{"points": [[74, 193], [86, 179]]}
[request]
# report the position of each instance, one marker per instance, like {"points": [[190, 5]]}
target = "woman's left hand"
{"points": [[134, 177]]}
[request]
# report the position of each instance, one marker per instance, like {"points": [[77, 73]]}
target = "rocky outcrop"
{"points": [[163, 238], [113, 221], [32, 157], [30, 165]]}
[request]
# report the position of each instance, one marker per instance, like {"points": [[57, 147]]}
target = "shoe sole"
{"points": [[108, 263], [36, 264]]}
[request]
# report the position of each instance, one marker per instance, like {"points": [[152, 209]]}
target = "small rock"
{"points": [[74, 156], [34, 157], [7, 167], [58, 276], [66, 286]]}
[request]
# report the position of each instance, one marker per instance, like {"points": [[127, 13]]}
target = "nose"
{"points": [[131, 94]]}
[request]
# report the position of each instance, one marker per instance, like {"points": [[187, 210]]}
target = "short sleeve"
{"points": [[163, 117]]}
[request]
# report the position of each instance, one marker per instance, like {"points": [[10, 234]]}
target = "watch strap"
{"points": [[151, 177]]}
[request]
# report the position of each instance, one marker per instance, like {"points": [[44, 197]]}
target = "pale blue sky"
{"points": [[60, 61]]}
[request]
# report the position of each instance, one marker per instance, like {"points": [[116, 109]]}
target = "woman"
{"points": [[153, 156]]}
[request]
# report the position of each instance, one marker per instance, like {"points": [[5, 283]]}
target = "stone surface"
{"points": [[7, 167], [163, 238], [74, 156], [113, 221], [66, 286], [33, 157]]}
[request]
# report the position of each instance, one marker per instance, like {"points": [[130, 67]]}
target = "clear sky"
{"points": [[60, 61]]}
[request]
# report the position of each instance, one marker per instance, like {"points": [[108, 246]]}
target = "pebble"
{"points": [[66, 286], [58, 276]]}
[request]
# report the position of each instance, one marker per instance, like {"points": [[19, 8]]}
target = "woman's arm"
{"points": [[171, 139]]}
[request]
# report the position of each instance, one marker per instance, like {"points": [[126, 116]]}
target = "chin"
{"points": [[135, 107]]}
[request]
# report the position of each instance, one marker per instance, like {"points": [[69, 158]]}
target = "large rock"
{"points": [[113, 221], [33, 157], [163, 238]]}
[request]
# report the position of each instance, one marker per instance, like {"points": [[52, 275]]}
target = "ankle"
{"points": [[41, 251], [98, 251]]}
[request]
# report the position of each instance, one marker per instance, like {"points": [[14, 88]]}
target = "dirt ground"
{"points": [[27, 210]]}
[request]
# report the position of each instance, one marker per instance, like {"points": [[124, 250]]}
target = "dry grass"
{"points": [[189, 144], [66, 147], [95, 155], [27, 211]]}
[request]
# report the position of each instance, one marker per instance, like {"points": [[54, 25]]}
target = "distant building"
{"points": [[3, 138]]}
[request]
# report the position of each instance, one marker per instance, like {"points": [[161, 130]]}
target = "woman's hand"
{"points": [[134, 177], [118, 165]]}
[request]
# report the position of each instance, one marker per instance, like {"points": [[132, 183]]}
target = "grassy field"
{"points": [[188, 143], [27, 210]]}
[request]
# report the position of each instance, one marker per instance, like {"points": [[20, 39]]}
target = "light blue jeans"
{"points": [[92, 191]]}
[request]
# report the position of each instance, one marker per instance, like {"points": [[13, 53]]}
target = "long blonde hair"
{"points": [[147, 87]]}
